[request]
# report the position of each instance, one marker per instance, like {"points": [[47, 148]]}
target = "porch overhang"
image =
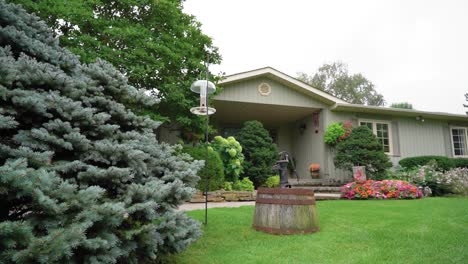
{"points": [[235, 113]]}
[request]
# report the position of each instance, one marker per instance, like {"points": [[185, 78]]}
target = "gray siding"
{"points": [[421, 138], [246, 91]]}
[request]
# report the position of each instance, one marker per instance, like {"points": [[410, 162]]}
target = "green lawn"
{"points": [[431, 230]]}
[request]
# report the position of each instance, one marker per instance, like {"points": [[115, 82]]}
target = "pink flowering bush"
{"points": [[385, 189]]}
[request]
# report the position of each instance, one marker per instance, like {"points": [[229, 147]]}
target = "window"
{"points": [[459, 141], [381, 130]]}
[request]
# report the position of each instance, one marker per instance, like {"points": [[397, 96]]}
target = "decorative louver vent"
{"points": [[264, 89]]}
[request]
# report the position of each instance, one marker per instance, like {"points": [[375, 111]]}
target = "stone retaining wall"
{"points": [[224, 196]]}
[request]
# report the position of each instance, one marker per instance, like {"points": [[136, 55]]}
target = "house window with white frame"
{"points": [[459, 141], [382, 130]]}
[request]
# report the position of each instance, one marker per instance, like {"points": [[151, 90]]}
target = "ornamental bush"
{"points": [[385, 189], [230, 152], [272, 181], [362, 148], [333, 133], [243, 185], [82, 178], [443, 163], [259, 150], [213, 170]]}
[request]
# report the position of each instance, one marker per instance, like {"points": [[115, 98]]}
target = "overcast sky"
{"points": [[413, 51]]}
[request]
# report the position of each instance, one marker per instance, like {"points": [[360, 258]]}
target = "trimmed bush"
{"points": [[214, 171], [259, 150], [460, 163], [362, 148], [443, 163]]}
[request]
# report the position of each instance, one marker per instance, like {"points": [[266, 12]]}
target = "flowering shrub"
{"points": [[456, 180], [385, 189]]}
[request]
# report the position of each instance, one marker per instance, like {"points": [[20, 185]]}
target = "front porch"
{"points": [[297, 130]]}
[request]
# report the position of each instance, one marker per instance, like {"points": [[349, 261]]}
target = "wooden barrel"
{"points": [[285, 211]]}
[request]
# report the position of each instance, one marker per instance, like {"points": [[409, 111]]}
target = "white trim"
{"points": [[453, 144], [374, 131], [284, 77]]}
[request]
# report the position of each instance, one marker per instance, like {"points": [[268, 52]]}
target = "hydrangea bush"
{"points": [[385, 189]]}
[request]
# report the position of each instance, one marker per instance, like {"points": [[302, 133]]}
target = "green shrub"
{"points": [[272, 181], [244, 185], [230, 151], [443, 163], [227, 186], [460, 163], [333, 133], [362, 148], [259, 150], [214, 171]]}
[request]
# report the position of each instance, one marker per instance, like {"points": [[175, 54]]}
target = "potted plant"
{"points": [[314, 169]]}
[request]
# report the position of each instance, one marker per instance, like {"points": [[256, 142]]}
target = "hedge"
{"points": [[443, 163], [215, 167]]}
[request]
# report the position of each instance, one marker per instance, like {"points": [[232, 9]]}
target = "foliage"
{"points": [[243, 185], [230, 151], [272, 181], [333, 133], [456, 180], [430, 230], [335, 79], [153, 43], [227, 186], [83, 179], [443, 163], [214, 171], [259, 150], [337, 132], [440, 182], [385, 189], [362, 148], [460, 162], [466, 99], [403, 105]]}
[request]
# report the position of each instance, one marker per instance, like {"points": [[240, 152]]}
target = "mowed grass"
{"points": [[431, 230]]}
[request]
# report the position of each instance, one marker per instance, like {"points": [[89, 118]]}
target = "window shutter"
{"points": [[396, 139]]}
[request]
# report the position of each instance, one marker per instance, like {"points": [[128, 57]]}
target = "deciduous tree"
{"points": [[353, 88], [155, 44]]}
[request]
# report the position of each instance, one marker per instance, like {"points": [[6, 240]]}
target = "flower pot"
{"points": [[315, 174]]}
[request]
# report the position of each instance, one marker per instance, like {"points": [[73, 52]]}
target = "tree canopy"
{"points": [[353, 88], [82, 178], [153, 43], [403, 105]]}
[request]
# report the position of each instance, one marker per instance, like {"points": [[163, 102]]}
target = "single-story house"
{"points": [[297, 115]]}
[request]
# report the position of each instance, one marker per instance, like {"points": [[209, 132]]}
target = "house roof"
{"points": [[284, 79], [397, 112], [336, 104]]}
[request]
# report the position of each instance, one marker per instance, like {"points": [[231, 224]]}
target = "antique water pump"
{"points": [[282, 167]]}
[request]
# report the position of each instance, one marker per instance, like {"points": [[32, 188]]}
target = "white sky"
{"points": [[413, 51]]}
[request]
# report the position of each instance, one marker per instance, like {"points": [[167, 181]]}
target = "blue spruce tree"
{"points": [[82, 178]]}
